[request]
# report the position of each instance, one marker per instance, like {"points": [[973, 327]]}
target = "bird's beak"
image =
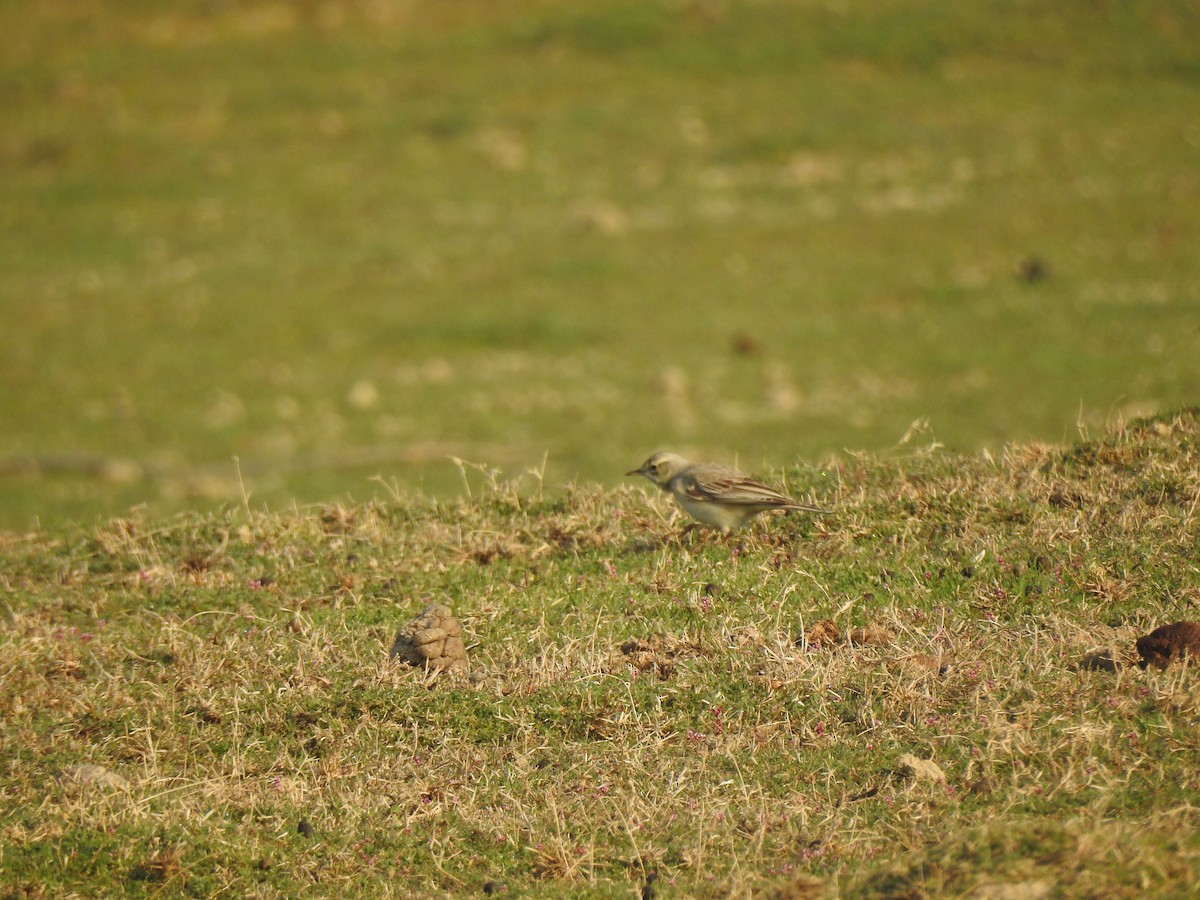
{"points": [[641, 471]]}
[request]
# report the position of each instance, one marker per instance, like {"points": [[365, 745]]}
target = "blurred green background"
{"points": [[338, 240]]}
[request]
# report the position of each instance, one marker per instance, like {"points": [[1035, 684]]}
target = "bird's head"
{"points": [[662, 467]]}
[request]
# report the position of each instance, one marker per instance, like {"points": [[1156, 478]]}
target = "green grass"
{"points": [[342, 240], [640, 705], [315, 313]]}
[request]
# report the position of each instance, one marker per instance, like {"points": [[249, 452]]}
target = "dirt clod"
{"points": [[823, 634], [1169, 643], [872, 633], [929, 663], [826, 634], [432, 640], [657, 653]]}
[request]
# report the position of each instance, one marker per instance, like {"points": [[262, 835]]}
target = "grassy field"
{"points": [[345, 239], [204, 704]]}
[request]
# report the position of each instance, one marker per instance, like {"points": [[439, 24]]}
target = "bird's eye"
{"points": [[653, 469]]}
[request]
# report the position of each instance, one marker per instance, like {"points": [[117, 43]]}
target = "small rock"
{"points": [[919, 769], [1098, 661], [432, 640], [305, 828], [87, 773], [1168, 643]]}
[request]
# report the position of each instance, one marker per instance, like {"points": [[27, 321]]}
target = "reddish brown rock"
{"points": [[1169, 643]]}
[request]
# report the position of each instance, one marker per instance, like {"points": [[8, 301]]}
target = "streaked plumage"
{"points": [[712, 494]]}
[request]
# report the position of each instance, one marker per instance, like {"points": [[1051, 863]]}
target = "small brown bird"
{"points": [[712, 494]]}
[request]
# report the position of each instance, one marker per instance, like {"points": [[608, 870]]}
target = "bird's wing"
{"points": [[716, 484], [729, 486]]}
